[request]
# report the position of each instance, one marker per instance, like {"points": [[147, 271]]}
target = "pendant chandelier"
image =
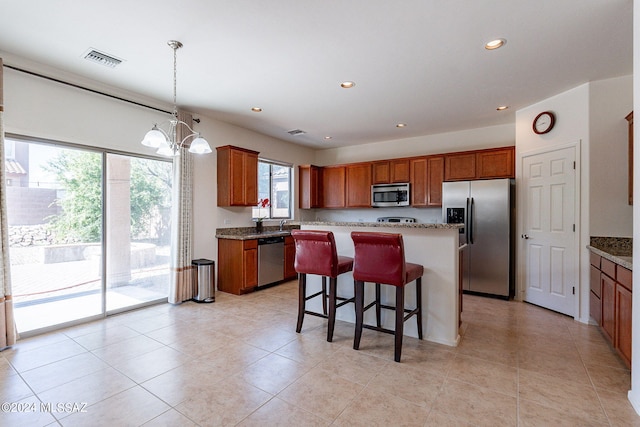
{"points": [[166, 141]]}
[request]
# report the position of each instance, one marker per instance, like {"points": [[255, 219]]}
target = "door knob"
{"points": [[524, 236]]}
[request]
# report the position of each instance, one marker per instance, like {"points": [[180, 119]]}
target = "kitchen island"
{"points": [[435, 246]]}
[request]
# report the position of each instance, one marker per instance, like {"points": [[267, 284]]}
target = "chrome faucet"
{"points": [[282, 223]]}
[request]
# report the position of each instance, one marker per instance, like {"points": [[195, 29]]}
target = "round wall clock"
{"points": [[544, 122]]}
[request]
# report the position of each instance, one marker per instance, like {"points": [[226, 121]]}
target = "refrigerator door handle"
{"points": [[466, 221], [470, 224]]}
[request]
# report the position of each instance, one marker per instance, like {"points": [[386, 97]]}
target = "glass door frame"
{"points": [[104, 152]]}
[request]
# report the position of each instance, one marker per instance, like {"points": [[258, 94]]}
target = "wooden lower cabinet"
{"points": [[623, 322], [608, 322], [610, 303], [595, 303], [237, 265], [289, 258]]}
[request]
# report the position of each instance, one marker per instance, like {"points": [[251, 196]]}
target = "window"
{"points": [[274, 185]]}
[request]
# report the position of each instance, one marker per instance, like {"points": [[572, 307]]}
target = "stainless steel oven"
{"points": [[389, 195]]}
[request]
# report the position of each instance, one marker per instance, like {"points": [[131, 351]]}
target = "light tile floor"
{"points": [[239, 361]]}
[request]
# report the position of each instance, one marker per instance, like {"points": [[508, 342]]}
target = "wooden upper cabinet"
{"points": [[481, 164], [495, 163], [630, 173], [390, 171], [460, 166], [380, 172], [309, 187], [400, 170], [237, 176], [427, 174], [333, 186], [435, 173], [358, 185]]}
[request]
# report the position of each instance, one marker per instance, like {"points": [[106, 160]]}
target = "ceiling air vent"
{"points": [[102, 58], [296, 132]]}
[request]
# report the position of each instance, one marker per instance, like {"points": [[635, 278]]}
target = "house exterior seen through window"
{"points": [[274, 184]]}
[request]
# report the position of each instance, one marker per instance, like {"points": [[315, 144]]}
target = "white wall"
{"points": [[634, 393], [609, 103], [471, 139], [39, 108]]}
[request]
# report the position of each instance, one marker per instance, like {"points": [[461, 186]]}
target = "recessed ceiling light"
{"points": [[328, 137], [502, 107], [347, 85], [256, 109], [495, 44], [401, 125]]}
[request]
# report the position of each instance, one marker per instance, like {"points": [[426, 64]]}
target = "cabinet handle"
{"points": [[524, 236]]}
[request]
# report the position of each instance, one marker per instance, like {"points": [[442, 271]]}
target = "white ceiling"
{"points": [[419, 62]]}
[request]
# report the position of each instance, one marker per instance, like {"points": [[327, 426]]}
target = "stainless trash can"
{"points": [[205, 280]]}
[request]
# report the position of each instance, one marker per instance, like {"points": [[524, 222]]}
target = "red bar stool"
{"points": [[379, 258], [316, 254]]}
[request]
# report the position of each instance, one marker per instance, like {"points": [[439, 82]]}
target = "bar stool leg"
{"points": [[333, 290], [324, 295], [359, 302], [399, 322], [378, 308], [302, 294], [419, 305]]}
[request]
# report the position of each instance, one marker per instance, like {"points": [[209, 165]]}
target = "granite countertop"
{"points": [[384, 224], [249, 233], [616, 249]]}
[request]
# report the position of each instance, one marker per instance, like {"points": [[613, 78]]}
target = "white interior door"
{"points": [[549, 183]]}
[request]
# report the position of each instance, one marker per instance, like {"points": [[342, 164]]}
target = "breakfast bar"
{"points": [[435, 246]]}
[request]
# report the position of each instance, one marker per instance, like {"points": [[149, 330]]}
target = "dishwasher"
{"points": [[270, 260]]}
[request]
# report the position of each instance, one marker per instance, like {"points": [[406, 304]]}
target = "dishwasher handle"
{"points": [[270, 240]]}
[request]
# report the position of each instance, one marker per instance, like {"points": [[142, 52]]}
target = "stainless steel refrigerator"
{"points": [[486, 209]]}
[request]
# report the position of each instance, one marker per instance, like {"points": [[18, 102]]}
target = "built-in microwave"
{"points": [[388, 195]]}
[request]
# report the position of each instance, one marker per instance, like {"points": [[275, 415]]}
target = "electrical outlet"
{"points": [[227, 221]]}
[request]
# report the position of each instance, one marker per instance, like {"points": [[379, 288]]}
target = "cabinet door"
{"points": [[380, 173], [289, 258], [237, 176], [236, 173], [419, 183], [495, 163], [333, 187], [460, 167], [595, 304], [399, 170], [623, 323], [359, 185], [435, 172], [608, 298], [250, 179], [250, 268], [308, 187]]}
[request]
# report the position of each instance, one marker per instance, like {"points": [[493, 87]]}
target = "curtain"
{"points": [[8, 332], [182, 287]]}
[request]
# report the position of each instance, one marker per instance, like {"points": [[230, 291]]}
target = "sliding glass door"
{"points": [[89, 232], [138, 210]]}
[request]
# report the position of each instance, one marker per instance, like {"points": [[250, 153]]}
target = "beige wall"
{"points": [[40, 108], [471, 139]]}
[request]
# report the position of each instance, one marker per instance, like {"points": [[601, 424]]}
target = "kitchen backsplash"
{"points": [[422, 215]]}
